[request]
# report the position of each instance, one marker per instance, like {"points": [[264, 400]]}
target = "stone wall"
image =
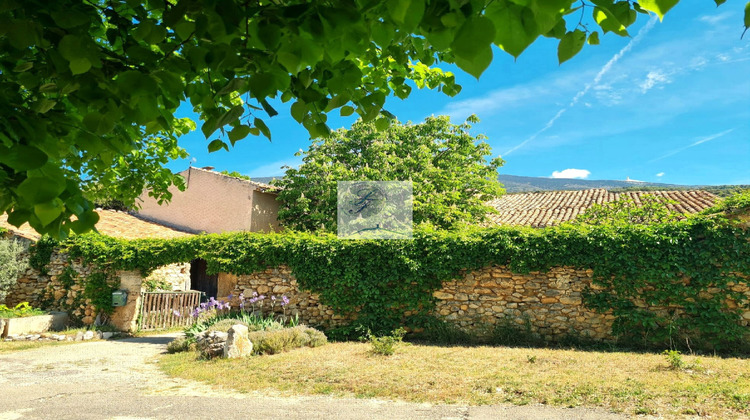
{"points": [[548, 303], [48, 292], [176, 275], [279, 282]]}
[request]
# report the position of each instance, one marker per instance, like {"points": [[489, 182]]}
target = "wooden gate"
{"points": [[161, 310]]}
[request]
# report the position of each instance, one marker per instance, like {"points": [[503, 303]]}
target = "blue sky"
{"points": [[669, 104]]}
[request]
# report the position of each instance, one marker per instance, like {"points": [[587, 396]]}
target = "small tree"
{"points": [[13, 262], [452, 172]]}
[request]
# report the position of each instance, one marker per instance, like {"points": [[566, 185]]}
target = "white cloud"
{"points": [[660, 174], [653, 79], [571, 173], [714, 19]]}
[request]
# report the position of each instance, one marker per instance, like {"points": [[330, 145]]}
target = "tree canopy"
{"points": [[90, 88], [452, 172]]}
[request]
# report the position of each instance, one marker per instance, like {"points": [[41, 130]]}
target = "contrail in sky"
{"points": [[612, 61], [693, 144]]}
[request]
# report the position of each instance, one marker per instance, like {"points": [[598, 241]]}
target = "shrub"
{"points": [[674, 358], [277, 341], [13, 262], [180, 344], [21, 310], [154, 285], [386, 345]]}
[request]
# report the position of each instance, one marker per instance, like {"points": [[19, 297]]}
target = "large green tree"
{"points": [[452, 172], [89, 88]]}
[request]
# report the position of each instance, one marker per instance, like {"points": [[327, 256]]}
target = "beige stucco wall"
{"points": [[213, 203], [265, 212]]}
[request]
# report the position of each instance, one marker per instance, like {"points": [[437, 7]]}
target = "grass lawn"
{"points": [[631, 383]]}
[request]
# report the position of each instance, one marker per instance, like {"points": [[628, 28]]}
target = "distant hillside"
{"points": [[264, 179], [515, 184], [519, 184]]}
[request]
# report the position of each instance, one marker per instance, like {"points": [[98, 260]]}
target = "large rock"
{"points": [[211, 343], [237, 344]]}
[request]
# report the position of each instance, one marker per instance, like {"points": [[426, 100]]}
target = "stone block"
{"points": [[39, 323], [442, 295], [237, 344]]}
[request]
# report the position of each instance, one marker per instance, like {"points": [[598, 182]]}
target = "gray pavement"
{"points": [[120, 380]]}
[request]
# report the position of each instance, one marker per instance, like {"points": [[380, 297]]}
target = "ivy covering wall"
{"points": [[689, 267]]}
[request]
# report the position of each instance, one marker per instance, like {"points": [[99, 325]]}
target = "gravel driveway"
{"points": [[120, 380]]}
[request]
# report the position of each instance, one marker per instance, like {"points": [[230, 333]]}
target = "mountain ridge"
{"points": [[524, 184]]}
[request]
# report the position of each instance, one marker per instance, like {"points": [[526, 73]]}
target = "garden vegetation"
{"points": [[690, 266]]}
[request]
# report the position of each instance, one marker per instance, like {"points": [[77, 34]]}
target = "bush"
{"points": [[386, 345], [180, 344], [13, 262], [277, 341], [21, 310]]}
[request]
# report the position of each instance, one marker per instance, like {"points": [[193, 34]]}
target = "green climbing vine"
{"points": [[40, 253], [694, 269]]}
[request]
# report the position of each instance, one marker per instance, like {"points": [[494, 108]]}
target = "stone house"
{"points": [[215, 203]]}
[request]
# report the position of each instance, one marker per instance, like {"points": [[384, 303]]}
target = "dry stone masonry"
{"points": [[279, 282], [548, 304]]}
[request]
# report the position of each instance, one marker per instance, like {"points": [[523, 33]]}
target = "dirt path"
{"points": [[120, 380]]}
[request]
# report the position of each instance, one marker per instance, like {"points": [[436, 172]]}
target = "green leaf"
{"points": [[660, 7], [408, 13], [474, 37], [68, 19], [570, 45], [184, 29], [298, 111], [747, 15], [238, 133], [216, 145], [23, 158], [37, 190], [48, 212], [262, 127], [382, 124], [510, 32], [44, 105], [25, 66], [70, 47], [478, 65], [593, 38], [98, 123], [346, 111], [79, 65], [608, 22]]}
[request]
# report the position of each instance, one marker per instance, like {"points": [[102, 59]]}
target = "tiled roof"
{"points": [[111, 223], [258, 185], [553, 207]]}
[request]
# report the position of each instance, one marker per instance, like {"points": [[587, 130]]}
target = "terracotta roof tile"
{"points": [[111, 223], [549, 208]]}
